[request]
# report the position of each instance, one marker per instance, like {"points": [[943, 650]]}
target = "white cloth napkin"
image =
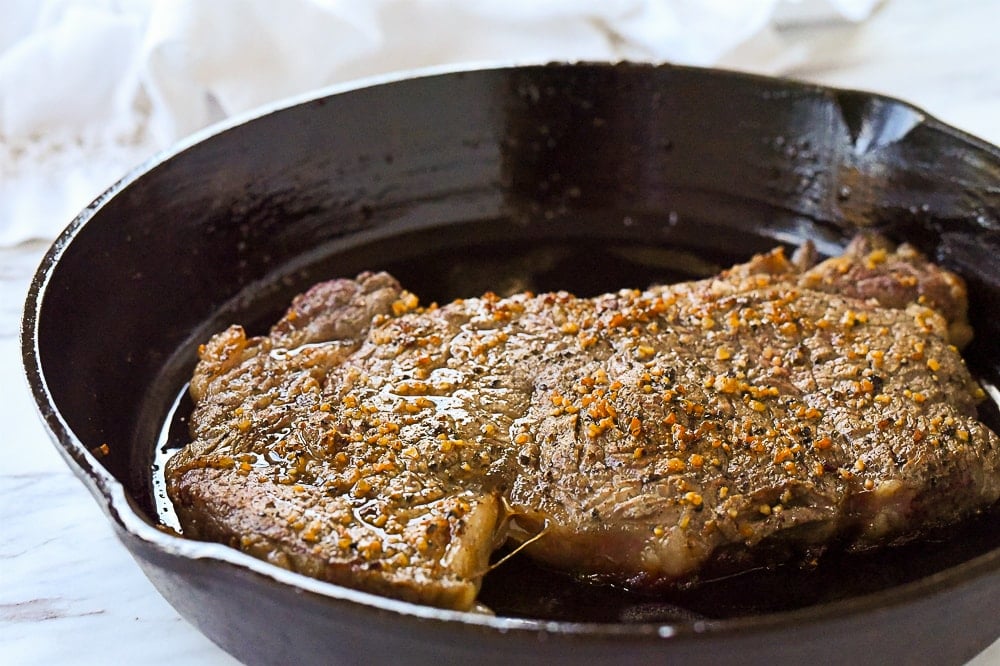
{"points": [[89, 88]]}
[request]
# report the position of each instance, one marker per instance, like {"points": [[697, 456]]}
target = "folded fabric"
{"points": [[91, 87]]}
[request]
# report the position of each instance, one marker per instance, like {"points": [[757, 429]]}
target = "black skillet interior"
{"points": [[584, 177]]}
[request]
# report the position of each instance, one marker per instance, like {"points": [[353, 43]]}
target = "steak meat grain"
{"points": [[644, 437]]}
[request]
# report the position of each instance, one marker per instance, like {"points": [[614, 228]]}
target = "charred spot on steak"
{"points": [[640, 436]]}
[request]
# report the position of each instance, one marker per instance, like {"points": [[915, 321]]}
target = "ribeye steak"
{"points": [[638, 436]]}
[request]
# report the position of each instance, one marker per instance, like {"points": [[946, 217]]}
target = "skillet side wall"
{"points": [[310, 629]]}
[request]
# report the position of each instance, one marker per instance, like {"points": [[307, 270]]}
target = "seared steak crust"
{"points": [[641, 435]]}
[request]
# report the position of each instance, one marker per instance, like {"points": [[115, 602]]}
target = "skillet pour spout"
{"points": [[586, 177]]}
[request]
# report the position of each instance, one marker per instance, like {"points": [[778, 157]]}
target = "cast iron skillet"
{"points": [[586, 177]]}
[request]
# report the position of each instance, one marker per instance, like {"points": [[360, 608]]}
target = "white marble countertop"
{"points": [[70, 593]]}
